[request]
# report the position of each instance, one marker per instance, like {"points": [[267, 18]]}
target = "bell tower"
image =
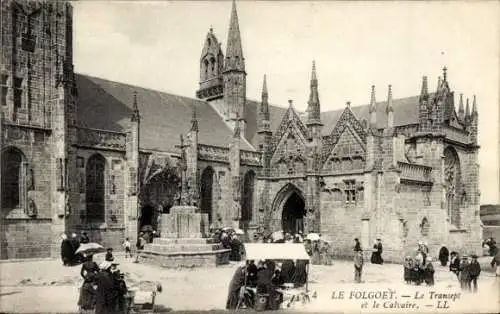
{"points": [[211, 67]]}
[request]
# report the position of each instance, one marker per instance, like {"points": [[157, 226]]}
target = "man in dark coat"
{"points": [[66, 250], [357, 245], [300, 275], [235, 286], [251, 273], [474, 271], [106, 294], [287, 270], [264, 277], [444, 255], [455, 263], [75, 244]]}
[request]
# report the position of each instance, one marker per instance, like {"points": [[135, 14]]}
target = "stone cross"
{"points": [[184, 186]]}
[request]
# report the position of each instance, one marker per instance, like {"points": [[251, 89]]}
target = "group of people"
{"points": [[104, 290], [467, 270], [265, 278], [229, 240], [419, 269], [376, 257], [69, 246]]}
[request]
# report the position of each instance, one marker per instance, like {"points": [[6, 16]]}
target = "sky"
{"points": [[354, 44]]}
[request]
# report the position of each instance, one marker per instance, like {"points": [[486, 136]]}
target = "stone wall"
{"points": [[34, 147], [341, 220], [26, 238], [111, 231]]}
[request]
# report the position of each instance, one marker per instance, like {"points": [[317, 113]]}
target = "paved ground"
{"points": [[47, 286]]}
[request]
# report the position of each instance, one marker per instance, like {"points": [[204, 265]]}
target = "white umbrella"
{"points": [[90, 248], [239, 231], [313, 236], [277, 235]]}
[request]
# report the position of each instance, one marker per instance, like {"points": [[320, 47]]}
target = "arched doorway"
{"points": [[158, 194], [292, 217], [147, 214], [207, 180]]}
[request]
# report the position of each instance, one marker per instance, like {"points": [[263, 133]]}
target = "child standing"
{"points": [[407, 270], [358, 266], [109, 255], [429, 272], [126, 246]]}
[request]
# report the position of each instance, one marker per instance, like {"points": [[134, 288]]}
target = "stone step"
{"points": [[165, 248], [166, 241]]}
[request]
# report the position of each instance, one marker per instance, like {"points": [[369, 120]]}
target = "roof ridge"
{"points": [[138, 86]]}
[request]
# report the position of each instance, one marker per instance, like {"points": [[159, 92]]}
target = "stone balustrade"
{"points": [[415, 173], [213, 153], [456, 135], [250, 158], [101, 139]]}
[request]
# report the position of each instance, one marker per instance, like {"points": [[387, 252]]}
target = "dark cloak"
{"points": [[299, 277], [287, 270], [235, 285], [106, 294], [66, 251]]}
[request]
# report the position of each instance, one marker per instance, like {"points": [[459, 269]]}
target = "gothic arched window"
{"points": [[424, 227], [13, 179], [95, 188], [207, 180], [452, 183], [205, 68], [247, 199], [212, 63]]}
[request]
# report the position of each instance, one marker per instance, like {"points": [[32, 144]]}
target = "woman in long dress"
{"points": [[235, 286]]}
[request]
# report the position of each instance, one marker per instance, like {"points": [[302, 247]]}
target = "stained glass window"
{"points": [[95, 188]]}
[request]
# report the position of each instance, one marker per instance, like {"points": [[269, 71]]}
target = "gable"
{"points": [[290, 120], [347, 154], [289, 156], [347, 118]]}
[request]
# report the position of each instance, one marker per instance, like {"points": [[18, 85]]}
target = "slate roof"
{"points": [[405, 113], [276, 114], [107, 105]]}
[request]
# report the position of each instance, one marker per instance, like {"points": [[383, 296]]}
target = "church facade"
{"points": [[81, 153]]}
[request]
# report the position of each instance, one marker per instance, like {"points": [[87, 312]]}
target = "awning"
{"points": [[261, 251]]}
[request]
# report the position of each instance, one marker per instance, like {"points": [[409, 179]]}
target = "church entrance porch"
{"points": [[288, 210], [292, 217]]}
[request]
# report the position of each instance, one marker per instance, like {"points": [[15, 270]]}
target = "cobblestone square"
{"points": [[48, 287]]}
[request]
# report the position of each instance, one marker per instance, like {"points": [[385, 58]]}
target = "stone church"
{"points": [[81, 153]]}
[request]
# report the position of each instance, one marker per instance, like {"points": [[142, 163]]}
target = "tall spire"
{"points": [[474, 106], [194, 122], [461, 108], [264, 109], [424, 93], [389, 107], [313, 108], [373, 108], [234, 50], [467, 110], [439, 84], [263, 114], [135, 109]]}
